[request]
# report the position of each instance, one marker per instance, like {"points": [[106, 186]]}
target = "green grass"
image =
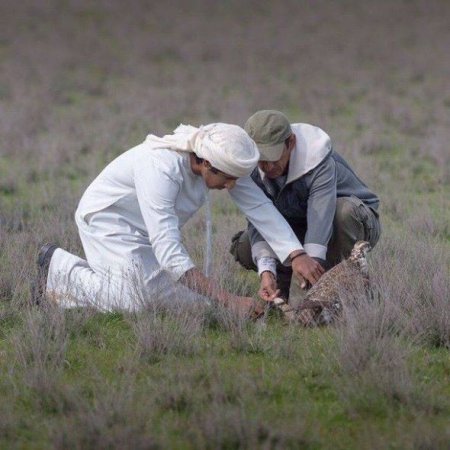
{"points": [[278, 377]]}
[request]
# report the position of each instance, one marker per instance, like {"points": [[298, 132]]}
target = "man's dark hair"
{"points": [[286, 141], [199, 160]]}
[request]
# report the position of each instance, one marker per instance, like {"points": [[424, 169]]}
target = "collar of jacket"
{"points": [[313, 145]]}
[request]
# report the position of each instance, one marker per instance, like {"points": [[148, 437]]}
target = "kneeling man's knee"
{"points": [[242, 251]]}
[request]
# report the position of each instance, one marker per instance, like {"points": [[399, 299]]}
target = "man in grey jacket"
{"points": [[328, 207]]}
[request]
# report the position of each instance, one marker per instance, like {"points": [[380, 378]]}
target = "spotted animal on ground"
{"points": [[323, 302]]}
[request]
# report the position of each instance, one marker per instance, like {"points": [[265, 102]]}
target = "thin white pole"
{"points": [[207, 262]]}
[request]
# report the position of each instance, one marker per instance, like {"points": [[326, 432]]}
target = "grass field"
{"points": [[81, 82]]}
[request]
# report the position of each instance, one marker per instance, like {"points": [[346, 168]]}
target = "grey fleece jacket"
{"points": [[306, 196]]}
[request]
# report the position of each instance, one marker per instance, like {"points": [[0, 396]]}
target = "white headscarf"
{"points": [[227, 147]]}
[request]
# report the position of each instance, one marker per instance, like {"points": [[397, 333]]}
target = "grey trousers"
{"points": [[353, 221]]}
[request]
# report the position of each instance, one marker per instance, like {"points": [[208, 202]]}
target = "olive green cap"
{"points": [[269, 129]]}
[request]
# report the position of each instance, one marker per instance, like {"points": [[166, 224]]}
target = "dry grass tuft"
{"points": [[164, 328], [118, 417]]}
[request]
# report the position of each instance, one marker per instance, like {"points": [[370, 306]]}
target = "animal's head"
{"points": [[359, 251]]}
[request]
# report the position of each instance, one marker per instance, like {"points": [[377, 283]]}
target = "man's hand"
{"points": [[246, 307], [268, 287], [307, 269]]}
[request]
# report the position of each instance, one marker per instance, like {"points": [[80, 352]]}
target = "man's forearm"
{"points": [[321, 208], [195, 280]]}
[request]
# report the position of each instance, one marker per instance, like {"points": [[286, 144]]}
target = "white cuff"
{"points": [[262, 250], [266, 263], [316, 251]]}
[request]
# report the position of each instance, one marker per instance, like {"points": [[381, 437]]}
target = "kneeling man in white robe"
{"points": [[129, 222]]}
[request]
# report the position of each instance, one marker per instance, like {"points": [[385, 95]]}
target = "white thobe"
{"points": [[129, 221]]}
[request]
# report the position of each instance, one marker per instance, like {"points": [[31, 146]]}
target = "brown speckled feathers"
{"points": [[323, 301]]}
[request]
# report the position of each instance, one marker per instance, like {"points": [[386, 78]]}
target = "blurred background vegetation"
{"points": [[82, 81]]}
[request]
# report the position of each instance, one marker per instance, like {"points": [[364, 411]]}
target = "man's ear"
{"points": [[292, 141]]}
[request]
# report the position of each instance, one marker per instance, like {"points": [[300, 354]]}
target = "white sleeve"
{"points": [[157, 193], [265, 264], [261, 212], [260, 248]]}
